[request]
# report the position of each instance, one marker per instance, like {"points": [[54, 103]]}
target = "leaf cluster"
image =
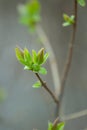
{"points": [[69, 20], [32, 62], [29, 14], [81, 2]]}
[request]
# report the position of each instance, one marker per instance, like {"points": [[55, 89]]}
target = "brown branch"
{"points": [[70, 53], [69, 59], [47, 89]]}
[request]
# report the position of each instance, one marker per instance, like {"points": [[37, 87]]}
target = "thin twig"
{"points": [[52, 59], [68, 60], [70, 53], [47, 89], [74, 115]]}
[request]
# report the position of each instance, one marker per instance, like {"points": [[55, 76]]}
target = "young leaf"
{"points": [[37, 84], [72, 17], [81, 2], [40, 56], [22, 10], [27, 68], [27, 57], [34, 56], [69, 20], [20, 55], [30, 14], [35, 68], [50, 126], [66, 17], [42, 71], [60, 126], [66, 24], [45, 57]]}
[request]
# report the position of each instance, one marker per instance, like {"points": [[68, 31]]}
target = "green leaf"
{"points": [[27, 57], [69, 20], [27, 68], [42, 71], [35, 67], [66, 24], [40, 56], [60, 126], [50, 126], [34, 56], [66, 17], [46, 57], [81, 2], [37, 84], [30, 14], [22, 10], [33, 7], [72, 17], [20, 55], [24, 20]]}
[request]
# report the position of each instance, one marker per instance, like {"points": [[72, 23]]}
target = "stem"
{"points": [[47, 89], [70, 53], [69, 58]]}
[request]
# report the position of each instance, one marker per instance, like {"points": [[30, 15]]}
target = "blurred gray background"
{"points": [[26, 108]]}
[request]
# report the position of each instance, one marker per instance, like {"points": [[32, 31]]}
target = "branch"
{"points": [[74, 115], [69, 58], [47, 89], [70, 53]]}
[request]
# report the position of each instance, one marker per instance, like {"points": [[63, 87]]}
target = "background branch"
{"points": [[74, 115], [52, 59]]}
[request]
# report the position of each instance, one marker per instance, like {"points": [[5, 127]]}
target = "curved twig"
{"points": [[47, 89], [74, 115]]}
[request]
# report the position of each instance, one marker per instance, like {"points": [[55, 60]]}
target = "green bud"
{"points": [[66, 17], [20, 55], [34, 56], [40, 56], [20, 51]]}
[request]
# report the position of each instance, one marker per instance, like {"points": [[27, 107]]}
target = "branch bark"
{"points": [[68, 59], [47, 89], [70, 54]]}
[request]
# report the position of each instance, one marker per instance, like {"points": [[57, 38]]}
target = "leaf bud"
{"points": [[40, 56]]}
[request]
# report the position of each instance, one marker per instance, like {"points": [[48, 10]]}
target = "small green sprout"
{"points": [[32, 62], [69, 20], [37, 84], [59, 126], [81, 2]]}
